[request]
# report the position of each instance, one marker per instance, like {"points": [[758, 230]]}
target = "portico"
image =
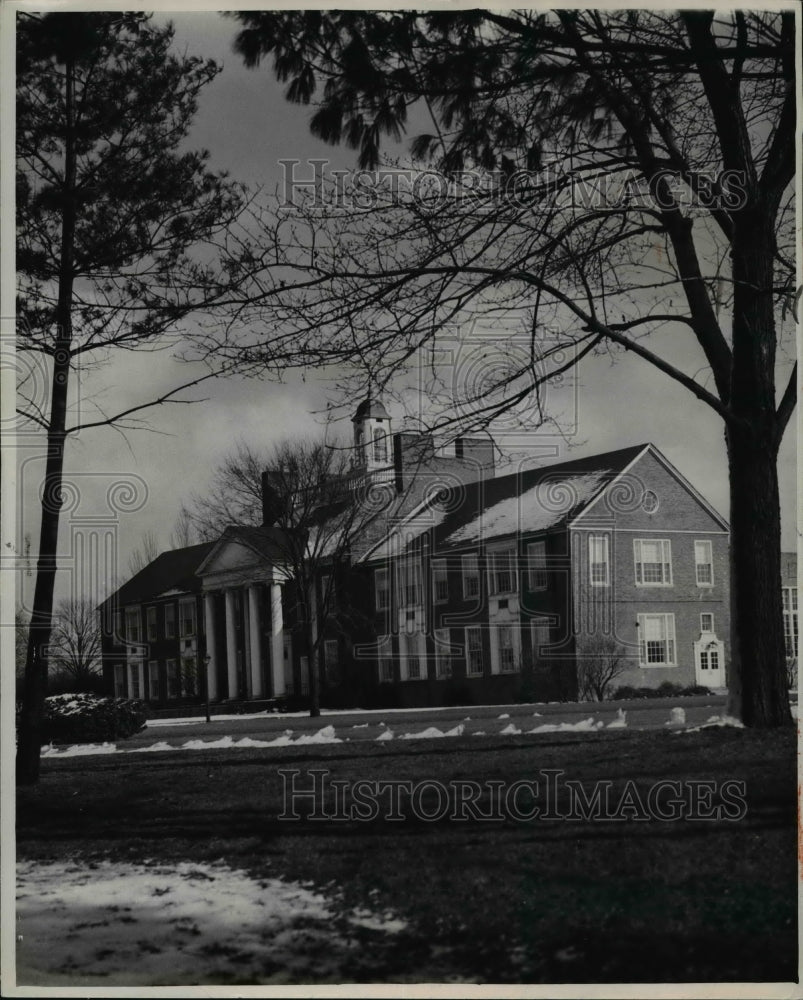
{"points": [[241, 582]]}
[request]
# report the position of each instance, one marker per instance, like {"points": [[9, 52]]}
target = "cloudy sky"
{"points": [[248, 128]]}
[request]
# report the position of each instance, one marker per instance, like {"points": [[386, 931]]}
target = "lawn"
{"points": [[503, 901]]}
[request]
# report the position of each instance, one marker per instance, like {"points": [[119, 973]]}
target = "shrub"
{"points": [[665, 690], [599, 663], [86, 718]]}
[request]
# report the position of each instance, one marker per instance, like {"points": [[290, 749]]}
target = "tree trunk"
{"points": [[35, 683], [757, 681], [758, 692]]}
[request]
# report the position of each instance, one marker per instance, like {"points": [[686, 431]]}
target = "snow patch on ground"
{"points": [[620, 722], [386, 734], [715, 722], [583, 726], [139, 924], [510, 729]]}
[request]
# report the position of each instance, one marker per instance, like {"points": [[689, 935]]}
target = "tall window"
{"points": [[150, 616], [599, 573], [707, 621], [506, 649], [133, 631], [380, 446], [118, 626], [789, 595], [119, 680], [170, 621], [173, 687], [133, 680], [656, 640], [189, 676], [385, 661], [536, 566], [540, 640], [443, 653], [382, 588], [471, 576], [440, 581], [413, 650], [653, 558], [153, 680], [410, 580], [474, 664], [332, 661], [703, 564], [186, 610], [502, 571]]}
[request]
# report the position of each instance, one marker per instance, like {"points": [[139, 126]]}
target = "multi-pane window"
{"points": [[709, 659], [536, 566], [186, 610], [653, 558], [386, 667], [540, 641], [412, 646], [410, 582], [189, 676], [789, 595], [119, 680], [656, 640], [506, 649], [443, 655], [132, 625], [153, 680], [331, 661], [474, 664], [170, 621], [707, 621], [133, 680], [440, 581], [150, 622], [703, 564], [171, 674], [382, 588], [599, 573], [471, 576], [380, 446], [502, 571]]}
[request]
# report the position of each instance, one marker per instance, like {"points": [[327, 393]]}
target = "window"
{"points": [[170, 621], [471, 576], [150, 622], [132, 625], [331, 661], [382, 589], [789, 595], [709, 659], [474, 664], [536, 566], [380, 446], [706, 622], [413, 649], [410, 589], [304, 663], [703, 564], [506, 650], [599, 574], [385, 661], [133, 680], [189, 676], [540, 641], [656, 640], [502, 571], [440, 581], [653, 562], [119, 680], [118, 626], [173, 688], [153, 680], [443, 653], [186, 610]]}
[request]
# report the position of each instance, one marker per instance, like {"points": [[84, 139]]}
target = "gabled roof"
{"points": [[531, 500], [173, 570], [268, 542]]}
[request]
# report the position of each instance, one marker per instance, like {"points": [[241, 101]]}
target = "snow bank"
{"points": [[584, 726], [510, 729]]}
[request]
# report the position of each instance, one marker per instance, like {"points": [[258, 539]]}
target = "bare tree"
{"points": [[144, 553], [234, 495], [621, 179], [599, 662], [182, 534], [75, 641]]}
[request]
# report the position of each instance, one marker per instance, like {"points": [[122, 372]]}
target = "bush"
{"points": [[86, 718], [665, 690]]}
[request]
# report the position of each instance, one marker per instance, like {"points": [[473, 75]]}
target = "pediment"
{"points": [[231, 557]]}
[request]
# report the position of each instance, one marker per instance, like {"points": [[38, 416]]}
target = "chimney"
{"points": [[476, 450], [271, 504]]}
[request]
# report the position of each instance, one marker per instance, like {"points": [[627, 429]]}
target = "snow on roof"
{"points": [[429, 515], [537, 509]]}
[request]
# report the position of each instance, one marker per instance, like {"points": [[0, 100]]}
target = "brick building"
{"points": [[461, 586]]}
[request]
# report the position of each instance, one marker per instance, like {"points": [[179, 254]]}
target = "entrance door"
{"points": [[710, 663]]}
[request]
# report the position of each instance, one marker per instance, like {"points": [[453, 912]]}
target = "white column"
{"points": [[276, 639], [255, 641], [231, 645], [209, 625]]}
